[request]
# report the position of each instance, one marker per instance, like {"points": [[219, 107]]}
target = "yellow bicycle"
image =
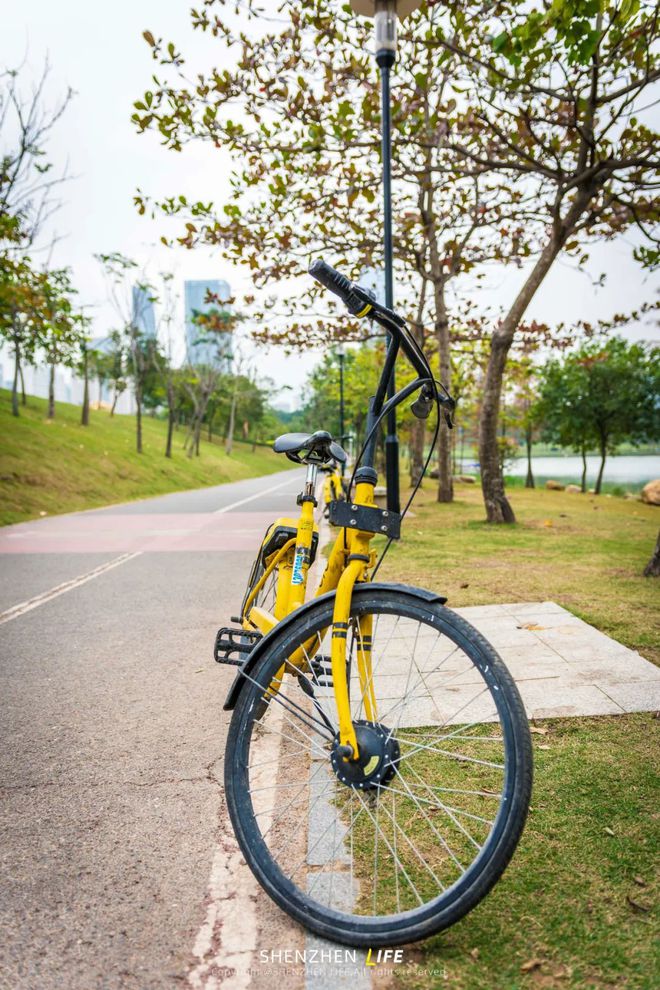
{"points": [[378, 765], [333, 486]]}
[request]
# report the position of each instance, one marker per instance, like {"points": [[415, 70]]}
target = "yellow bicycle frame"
{"points": [[350, 559], [332, 487]]}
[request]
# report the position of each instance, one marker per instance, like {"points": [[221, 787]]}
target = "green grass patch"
{"points": [[585, 552], [47, 467], [569, 911], [577, 906]]}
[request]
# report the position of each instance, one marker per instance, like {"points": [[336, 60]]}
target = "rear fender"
{"points": [[271, 638]]}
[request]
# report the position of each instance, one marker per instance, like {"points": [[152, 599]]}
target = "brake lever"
{"points": [[449, 407]]}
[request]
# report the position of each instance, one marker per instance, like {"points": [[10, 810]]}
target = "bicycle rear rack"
{"points": [[233, 646]]}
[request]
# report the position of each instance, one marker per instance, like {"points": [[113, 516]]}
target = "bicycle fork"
{"points": [[357, 564]]}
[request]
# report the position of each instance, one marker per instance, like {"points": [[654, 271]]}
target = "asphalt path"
{"points": [[112, 730]]}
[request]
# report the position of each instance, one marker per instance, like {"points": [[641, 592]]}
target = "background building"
{"points": [[201, 347], [143, 311]]}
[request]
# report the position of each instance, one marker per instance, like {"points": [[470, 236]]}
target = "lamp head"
{"points": [[367, 8]]}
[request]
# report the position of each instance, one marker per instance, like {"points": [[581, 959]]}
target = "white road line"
{"points": [[61, 589], [227, 942], [228, 939], [251, 498]]}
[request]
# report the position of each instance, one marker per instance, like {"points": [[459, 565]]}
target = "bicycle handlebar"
{"points": [[360, 302], [357, 300]]}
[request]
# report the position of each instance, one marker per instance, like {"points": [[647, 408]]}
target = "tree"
{"points": [[21, 314], [602, 395], [27, 188], [216, 327], [557, 104], [132, 295], [165, 360], [552, 99], [309, 103], [83, 371], [523, 413], [63, 330], [114, 366]]}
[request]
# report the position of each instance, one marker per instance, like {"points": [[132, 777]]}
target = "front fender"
{"points": [[280, 629]]}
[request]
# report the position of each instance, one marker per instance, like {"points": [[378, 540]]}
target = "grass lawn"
{"points": [[576, 906], [61, 466], [584, 552]]}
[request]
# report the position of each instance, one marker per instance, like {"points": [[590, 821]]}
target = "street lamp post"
{"points": [[341, 354], [386, 14]]}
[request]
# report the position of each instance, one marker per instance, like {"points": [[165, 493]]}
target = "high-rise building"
{"points": [[203, 346], [143, 311]]}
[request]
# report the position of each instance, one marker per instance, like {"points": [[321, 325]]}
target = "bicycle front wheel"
{"points": [[406, 841]]}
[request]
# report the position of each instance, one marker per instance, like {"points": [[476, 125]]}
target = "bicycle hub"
{"points": [[377, 762]]}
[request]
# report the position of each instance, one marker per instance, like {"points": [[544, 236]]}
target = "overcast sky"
{"points": [[98, 50]]}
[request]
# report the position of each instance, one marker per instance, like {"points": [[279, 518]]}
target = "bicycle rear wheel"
{"points": [[407, 842]]}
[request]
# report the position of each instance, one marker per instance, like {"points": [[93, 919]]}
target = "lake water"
{"points": [[621, 468]]}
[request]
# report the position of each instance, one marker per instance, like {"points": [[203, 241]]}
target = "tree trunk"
{"points": [[498, 509], [601, 469], [418, 438], [138, 420], [229, 442], [100, 395], [84, 419], [23, 397], [529, 480], [497, 505], [51, 391], [652, 569], [445, 482], [170, 419], [583, 483], [14, 388], [114, 401]]}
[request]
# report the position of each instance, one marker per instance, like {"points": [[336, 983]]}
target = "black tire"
{"points": [[456, 900]]}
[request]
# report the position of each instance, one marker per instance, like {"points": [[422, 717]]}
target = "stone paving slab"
{"points": [[562, 665]]}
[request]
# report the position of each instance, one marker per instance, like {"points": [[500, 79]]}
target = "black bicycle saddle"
{"points": [[306, 448]]}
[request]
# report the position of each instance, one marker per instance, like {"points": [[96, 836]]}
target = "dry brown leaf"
{"points": [[531, 626], [539, 746], [538, 730], [640, 881], [608, 830], [474, 953], [530, 965], [464, 585]]}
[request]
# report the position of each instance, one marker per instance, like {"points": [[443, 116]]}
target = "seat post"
{"points": [[310, 481]]}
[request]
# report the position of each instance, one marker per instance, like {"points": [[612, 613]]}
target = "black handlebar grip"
{"points": [[331, 279]]}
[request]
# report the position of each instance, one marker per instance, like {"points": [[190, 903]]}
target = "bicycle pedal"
{"points": [[233, 646], [322, 668]]}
